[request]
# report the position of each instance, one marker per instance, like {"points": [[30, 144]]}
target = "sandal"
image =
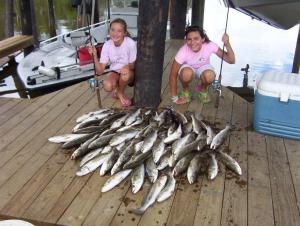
{"points": [[184, 97], [202, 94]]}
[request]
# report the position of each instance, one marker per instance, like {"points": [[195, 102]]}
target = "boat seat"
{"points": [[77, 39]]}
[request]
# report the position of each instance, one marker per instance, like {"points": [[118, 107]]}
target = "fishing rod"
{"points": [[96, 83], [217, 82]]}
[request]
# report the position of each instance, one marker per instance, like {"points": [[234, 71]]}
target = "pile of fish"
{"points": [[140, 143]]}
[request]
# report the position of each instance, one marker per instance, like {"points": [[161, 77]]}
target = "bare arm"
{"points": [[228, 54], [127, 68], [99, 66], [173, 78]]}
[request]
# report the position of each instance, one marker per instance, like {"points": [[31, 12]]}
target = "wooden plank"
{"points": [[131, 201], [105, 208], [58, 193], [14, 44], [74, 188], [89, 219], [4, 60], [185, 202], [4, 100], [283, 193], [17, 120], [293, 155], [235, 194], [169, 57], [43, 204], [8, 105], [40, 166], [123, 215], [17, 138], [14, 111], [16, 172], [83, 202], [209, 208], [260, 209]]}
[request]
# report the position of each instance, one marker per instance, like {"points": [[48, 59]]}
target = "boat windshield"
{"points": [[124, 3]]}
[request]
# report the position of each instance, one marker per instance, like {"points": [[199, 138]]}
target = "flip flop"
{"points": [[126, 102], [187, 95], [202, 94]]}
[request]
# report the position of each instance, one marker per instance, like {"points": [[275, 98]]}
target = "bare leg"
{"points": [[207, 77], [124, 80], [111, 82], [186, 76]]}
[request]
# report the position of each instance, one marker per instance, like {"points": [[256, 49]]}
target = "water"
{"points": [[255, 43]]}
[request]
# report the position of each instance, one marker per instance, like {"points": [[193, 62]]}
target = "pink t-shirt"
{"points": [[118, 56], [196, 59]]}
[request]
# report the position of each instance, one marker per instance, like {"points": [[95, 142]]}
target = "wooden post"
{"points": [[26, 21], [9, 19], [178, 18], [150, 54], [51, 18], [296, 63], [198, 12], [96, 12], [33, 24]]}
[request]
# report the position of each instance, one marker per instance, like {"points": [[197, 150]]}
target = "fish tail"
{"points": [[139, 211]]}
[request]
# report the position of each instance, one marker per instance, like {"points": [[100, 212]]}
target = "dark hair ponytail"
{"points": [[196, 28], [123, 23]]}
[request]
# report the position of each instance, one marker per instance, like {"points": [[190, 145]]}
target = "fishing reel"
{"points": [[92, 83], [217, 86]]}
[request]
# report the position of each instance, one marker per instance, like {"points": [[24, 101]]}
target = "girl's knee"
{"points": [[208, 76], [186, 74], [108, 86], [127, 77]]}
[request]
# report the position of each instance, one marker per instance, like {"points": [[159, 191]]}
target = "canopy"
{"points": [[282, 14]]}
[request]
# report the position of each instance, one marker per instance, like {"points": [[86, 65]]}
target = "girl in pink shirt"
{"points": [[120, 53], [192, 60]]}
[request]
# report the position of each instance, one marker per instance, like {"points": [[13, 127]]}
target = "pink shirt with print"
{"points": [[196, 59], [118, 56]]}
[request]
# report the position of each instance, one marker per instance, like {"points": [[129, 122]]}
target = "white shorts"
{"points": [[198, 72]]}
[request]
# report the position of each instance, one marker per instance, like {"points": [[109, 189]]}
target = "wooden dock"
{"points": [[38, 182], [14, 44]]}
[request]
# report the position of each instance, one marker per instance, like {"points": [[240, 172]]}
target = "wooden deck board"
{"points": [[209, 208], [16, 119], [259, 189], [14, 44], [45, 168], [37, 180], [285, 207], [235, 194]]}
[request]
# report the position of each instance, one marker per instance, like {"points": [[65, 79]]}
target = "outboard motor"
{"points": [[246, 70]]}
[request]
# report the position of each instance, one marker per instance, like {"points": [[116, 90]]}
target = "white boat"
{"points": [[58, 61]]}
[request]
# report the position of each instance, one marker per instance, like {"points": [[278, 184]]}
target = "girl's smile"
{"points": [[194, 41], [117, 33]]}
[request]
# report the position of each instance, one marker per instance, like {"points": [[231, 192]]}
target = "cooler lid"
{"points": [[280, 85]]}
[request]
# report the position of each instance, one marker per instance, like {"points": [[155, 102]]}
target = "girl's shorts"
{"points": [[198, 71]]}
